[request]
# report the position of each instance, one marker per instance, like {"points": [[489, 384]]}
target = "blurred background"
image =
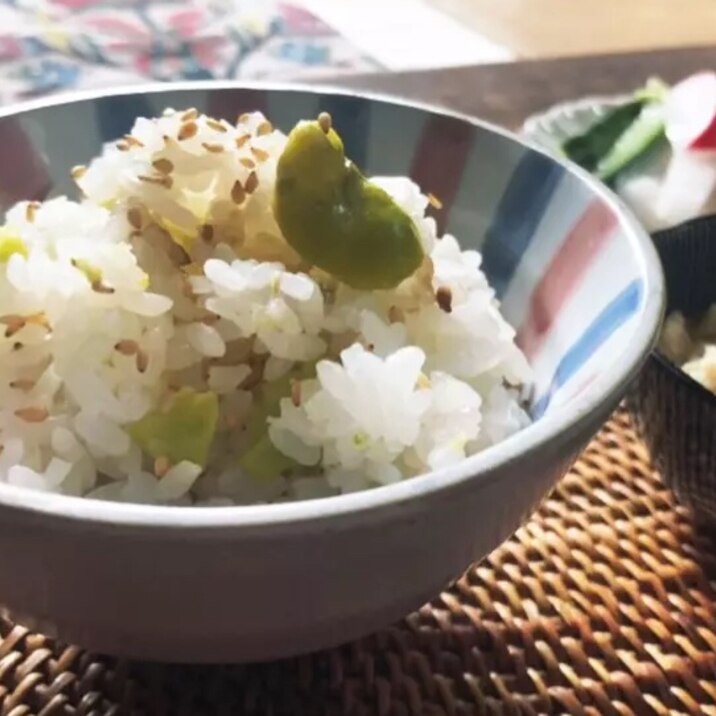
{"points": [[48, 46]]}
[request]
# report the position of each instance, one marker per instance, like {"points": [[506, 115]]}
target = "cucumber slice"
{"points": [[641, 135], [590, 148]]}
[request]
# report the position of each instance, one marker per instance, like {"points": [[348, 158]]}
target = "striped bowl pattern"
{"points": [[578, 279], [562, 262]]}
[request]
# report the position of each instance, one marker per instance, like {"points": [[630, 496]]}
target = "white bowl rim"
{"points": [[558, 430]]}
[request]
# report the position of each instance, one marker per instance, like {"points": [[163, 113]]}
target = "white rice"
{"points": [[172, 272]]}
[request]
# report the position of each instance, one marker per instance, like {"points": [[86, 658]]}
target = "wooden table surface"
{"points": [[508, 93]]}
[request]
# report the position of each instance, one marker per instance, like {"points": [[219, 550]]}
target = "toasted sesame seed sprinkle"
{"points": [[78, 171], [240, 141], [165, 181], [133, 141], [434, 201], [206, 232], [261, 154], [325, 121], [238, 194], [134, 217], [264, 128], [162, 466], [122, 146], [17, 346], [243, 118], [296, 393], [213, 147], [126, 347], [99, 287], [395, 314], [142, 361], [252, 182], [31, 210], [210, 320], [189, 115], [216, 126], [444, 298], [187, 131], [163, 165], [32, 415], [248, 163], [13, 324], [24, 384]]}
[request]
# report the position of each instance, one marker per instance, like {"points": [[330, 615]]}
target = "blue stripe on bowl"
{"points": [[614, 315], [521, 208]]}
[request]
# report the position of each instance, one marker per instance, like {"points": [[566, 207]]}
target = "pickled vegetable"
{"points": [[338, 220]]}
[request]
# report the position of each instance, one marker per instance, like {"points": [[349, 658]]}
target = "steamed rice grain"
{"points": [[171, 273]]}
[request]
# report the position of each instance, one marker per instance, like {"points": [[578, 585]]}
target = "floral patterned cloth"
{"points": [[53, 45]]}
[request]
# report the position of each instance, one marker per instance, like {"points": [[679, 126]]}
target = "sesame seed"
{"points": [[163, 165], [162, 466], [189, 115], [261, 154], [444, 298], [134, 217], [206, 232], [122, 146], [248, 163], [126, 347], [99, 287], [165, 181], [434, 201], [237, 193], [31, 210], [264, 128], [17, 346], [296, 393], [325, 121], [133, 141], [32, 415], [187, 131], [252, 183], [210, 320], [78, 171], [13, 324], [243, 118], [212, 147], [24, 384], [142, 361], [216, 126], [240, 141], [395, 314]]}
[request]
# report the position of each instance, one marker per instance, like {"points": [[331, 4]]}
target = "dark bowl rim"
{"points": [[676, 372]]}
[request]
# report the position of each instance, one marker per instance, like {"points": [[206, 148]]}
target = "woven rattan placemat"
{"points": [[602, 604]]}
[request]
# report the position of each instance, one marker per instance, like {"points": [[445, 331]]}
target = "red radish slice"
{"points": [[690, 112]]}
